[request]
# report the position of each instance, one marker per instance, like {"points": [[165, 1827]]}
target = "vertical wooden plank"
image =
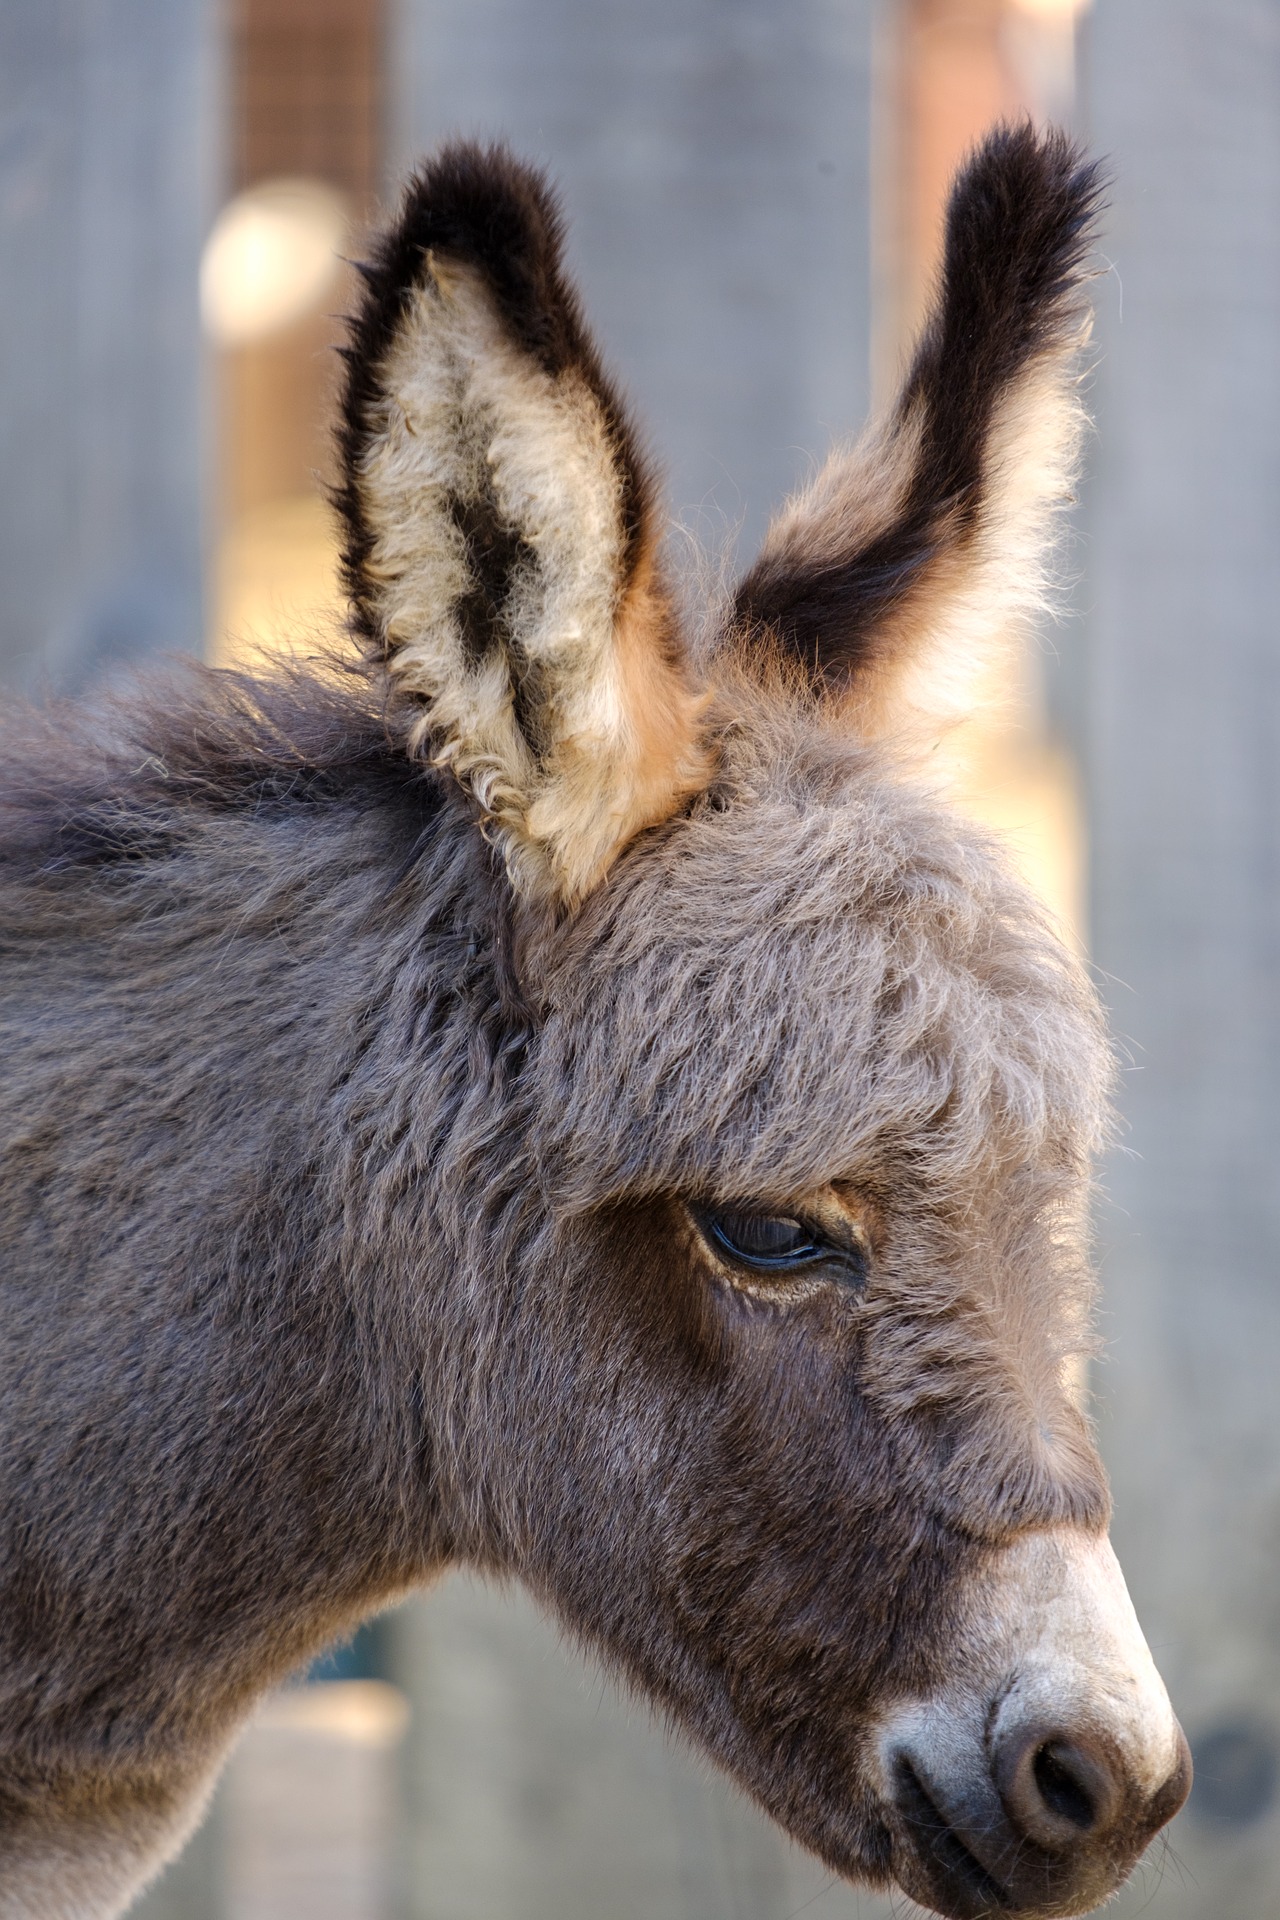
{"points": [[306, 92], [109, 116], [109, 121], [538, 1792], [309, 1803], [305, 104], [532, 1788], [1183, 744], [715, 164]]}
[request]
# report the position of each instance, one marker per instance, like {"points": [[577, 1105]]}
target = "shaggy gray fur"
{"points": [[353, 1204]]}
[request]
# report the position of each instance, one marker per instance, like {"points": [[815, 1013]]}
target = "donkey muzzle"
{"points": [[1032, 1784]]}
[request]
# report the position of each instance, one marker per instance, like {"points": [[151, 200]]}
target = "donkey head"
{"points": [[772, 1324]]}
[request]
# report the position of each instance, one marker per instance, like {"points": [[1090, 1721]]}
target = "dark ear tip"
{"points": [[1020, 223], [479, 206], [1022, 175], [477, 202], [1049, 154]]}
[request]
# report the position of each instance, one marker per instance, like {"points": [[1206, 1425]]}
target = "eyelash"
{"points": [[797, 1246]]}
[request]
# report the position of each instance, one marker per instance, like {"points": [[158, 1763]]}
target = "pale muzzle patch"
{"points": [[1055, 1637], [1033, 1780]]}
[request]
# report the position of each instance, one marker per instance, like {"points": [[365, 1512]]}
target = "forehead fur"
{"points": [[819, 973]]}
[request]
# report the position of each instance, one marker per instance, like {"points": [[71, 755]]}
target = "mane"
{"points": [[121, 778]]}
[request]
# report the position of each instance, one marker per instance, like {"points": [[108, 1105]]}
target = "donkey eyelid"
{"points": [[722, 1228], [806, 1249]]}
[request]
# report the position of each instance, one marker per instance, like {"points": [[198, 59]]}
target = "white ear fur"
{"points": [[512, 602], [934, 647]]}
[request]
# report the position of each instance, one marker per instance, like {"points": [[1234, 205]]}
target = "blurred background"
{"points": [[755, 189]]}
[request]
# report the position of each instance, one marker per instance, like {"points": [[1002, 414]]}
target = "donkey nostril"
{"points": [[1056, 1790], [1062, 1787]]}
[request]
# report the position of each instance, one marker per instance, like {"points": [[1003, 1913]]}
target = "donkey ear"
{"points": [[910, 553], [500, 536]]}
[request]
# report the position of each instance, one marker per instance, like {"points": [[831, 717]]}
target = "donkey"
{"points": [[557, 1092]]}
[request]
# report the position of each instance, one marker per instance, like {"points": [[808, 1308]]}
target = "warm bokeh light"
{"points": [[368, 1713], [274, 252], [958, 66], [1052, 9], [309, 1803], [275, 585]]}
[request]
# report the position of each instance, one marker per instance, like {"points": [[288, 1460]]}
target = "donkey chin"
{"points": [[1033, 1782]]}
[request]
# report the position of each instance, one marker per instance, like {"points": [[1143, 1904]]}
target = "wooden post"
{"points": [[107, 177], [1182, 741], [715, 165], [715, 162], [109, 170]]}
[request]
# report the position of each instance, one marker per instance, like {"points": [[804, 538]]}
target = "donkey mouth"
{"points": [[955, 1881]]}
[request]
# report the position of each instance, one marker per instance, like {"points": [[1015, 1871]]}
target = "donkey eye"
{"points": [[763, 1239], [769, 1241], [782, 1243]]}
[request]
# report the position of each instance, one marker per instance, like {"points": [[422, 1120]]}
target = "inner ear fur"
{"points": [[500, 551], [887, 580]]}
